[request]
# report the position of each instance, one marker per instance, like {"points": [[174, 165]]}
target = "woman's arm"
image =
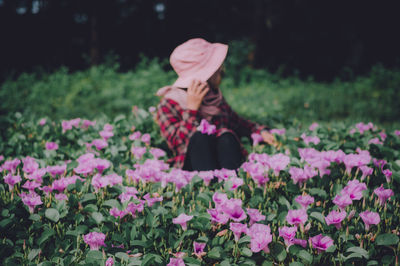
{"points": [[177, 125]]}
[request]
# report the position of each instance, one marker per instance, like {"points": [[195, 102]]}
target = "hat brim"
{"points": [[216, 59]]}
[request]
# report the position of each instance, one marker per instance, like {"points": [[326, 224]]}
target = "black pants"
{"points": [[207, 152]]}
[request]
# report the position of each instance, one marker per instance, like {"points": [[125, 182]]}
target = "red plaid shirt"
{"points": [[178, 125]]}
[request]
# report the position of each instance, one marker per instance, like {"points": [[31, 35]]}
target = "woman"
{"points": [[194, 96]]}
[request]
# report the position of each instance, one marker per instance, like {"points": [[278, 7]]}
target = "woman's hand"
{"points": [[268, 138], [195, 94]]}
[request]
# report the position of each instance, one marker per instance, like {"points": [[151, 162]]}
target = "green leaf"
{"points": [[95, 254], [318, 216], [214, 253], [33, 253], [296, 264], [122, 256], [34, 217], [372, 262], [246, 252], [331, 249], [283, 201], [359, 251], [52, 215], [318, 192], [112, 203], [387, 240], [47, 233], [204, 198], [88, 197], [278, 251], [148, 259], [98, 217], [295, 249], [244, 239], [90, 208], [304, 255]]}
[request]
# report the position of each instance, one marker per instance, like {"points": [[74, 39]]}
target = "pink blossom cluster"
{"points": [[310, 139], [352, 191], [87, 164], [95, 240], [277, 131], [206, 128]]}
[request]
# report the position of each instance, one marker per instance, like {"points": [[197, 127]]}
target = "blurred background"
{"points": [[292, 59]]}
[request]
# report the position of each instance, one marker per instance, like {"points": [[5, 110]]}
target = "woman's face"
{"points": [[215, 80]]}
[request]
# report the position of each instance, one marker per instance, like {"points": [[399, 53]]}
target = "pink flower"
{"points": [[277, 131], [342, 201], [99, 143], [288, 234], [60, 196], [298, 175], [50, 146], [296, 217], [354, 189], [31, 185], [87, 123], [219, 199], [108, 127], [321, 243], [255, 216], [150, 201], [238, 229], [106, 134], [383, 135], [310, 139], [136, 135], [313, 126], [11, 165], [56, 169], [94, 240], [138, 152], [182, 219], [146, 138], [388, 174], [379, 163], [42, 122], [257, 138], [31, 200], [157, 153], [233, 208], [335, 218], [109, 261], [369, 218], [364, 127], [304, 201], [217, 216], [152, 109], [206, 128], [278, 162], [11, 180], [260, 237], [236, 182], [207, 176], [383, 194], [30, 165], [117, 213], [375, 141], [397, 132], [300, 242], [198, 248], [176, 262], [257, 171], [366, 171]]}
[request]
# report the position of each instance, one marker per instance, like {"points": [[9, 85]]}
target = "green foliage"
{"points": [[254, 93]]}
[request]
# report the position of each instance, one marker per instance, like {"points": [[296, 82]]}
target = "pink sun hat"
{"points": [[197, 59]]}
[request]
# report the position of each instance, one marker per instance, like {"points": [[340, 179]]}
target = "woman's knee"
{"points": [[228, 139], [199, 138]]}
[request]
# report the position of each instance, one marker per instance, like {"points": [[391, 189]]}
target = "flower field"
{"points": [[101, 193]]}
